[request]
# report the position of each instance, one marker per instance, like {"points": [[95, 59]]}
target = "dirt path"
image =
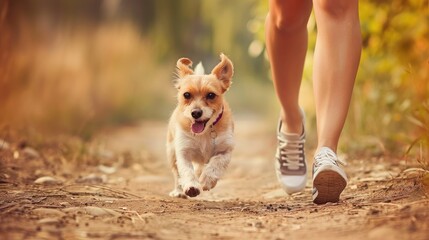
{"points": [[125, 196]]}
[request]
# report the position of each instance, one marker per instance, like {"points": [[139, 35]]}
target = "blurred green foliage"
{"points": [[77, 66], [393, 80]]}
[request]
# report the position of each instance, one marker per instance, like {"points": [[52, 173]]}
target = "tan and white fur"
{"points": [[200, 131]]}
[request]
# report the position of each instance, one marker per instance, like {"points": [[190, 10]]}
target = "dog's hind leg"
{"points": [[198, 169]]}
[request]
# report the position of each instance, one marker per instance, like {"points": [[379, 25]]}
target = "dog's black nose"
{"points": [[197, 113]]}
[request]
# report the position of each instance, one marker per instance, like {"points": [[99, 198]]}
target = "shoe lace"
{"points": [[326, 156], [292, 153]]}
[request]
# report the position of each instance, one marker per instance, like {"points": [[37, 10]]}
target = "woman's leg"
{"points": [[286, 40], [336, 60]]}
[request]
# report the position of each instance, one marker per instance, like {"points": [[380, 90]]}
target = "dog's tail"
{"points": [[199, 69]]}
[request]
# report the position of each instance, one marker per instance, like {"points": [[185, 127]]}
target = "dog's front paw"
{"points": [[192, 191], [207, 181], [177, 194]]}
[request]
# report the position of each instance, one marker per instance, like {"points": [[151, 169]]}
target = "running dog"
{"points": [[200, 131]]}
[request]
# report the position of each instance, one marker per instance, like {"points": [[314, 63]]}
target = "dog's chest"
{"points": [[204, 147], [201, 148]]}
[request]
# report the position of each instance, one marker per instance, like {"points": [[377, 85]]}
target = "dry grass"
{"points": [[78, 79]]}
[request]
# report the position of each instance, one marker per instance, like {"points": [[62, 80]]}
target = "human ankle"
{"points": [[292, 123], [287, 130], [333, 148]]}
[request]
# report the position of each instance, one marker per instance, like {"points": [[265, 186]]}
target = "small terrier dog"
{"points": [[200, 131]]}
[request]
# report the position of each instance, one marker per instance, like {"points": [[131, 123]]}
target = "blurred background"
{"points": [[76, 67]]}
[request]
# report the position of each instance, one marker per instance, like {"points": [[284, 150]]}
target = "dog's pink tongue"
{"points": [[198, 127]]}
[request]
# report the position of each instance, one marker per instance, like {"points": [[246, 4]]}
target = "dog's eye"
{"points": [[211, 95], [187, 95]]}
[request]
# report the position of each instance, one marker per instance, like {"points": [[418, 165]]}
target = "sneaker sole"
{"points": [[329, 185]]}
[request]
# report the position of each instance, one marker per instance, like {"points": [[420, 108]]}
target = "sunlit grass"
{"points": [[79, 76], [80, 80]]}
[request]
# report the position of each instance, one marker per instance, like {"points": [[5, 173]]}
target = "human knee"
{"points": [[336, 8], [289, 17]]}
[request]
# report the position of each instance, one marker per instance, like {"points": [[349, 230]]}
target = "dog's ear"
{"points": [[184, 67], [224, 71]]}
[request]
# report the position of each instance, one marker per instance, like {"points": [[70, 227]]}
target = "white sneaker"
{"points": [[290, 164], [329, 179]]}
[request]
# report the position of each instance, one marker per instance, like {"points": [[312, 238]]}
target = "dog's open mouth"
{"points": [[199, 126]]}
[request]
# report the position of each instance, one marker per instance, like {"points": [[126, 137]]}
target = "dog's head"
{"points": [[200, 96]]}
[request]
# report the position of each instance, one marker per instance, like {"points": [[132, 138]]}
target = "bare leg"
{"points": [[336, 60], [286, 40]]}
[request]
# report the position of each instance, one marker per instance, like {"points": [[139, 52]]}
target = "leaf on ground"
{"points": [[106, 169], [31, 152], [47, 180], [48, 221]]}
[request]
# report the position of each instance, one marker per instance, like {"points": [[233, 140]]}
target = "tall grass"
{"points": [[419, 148]]}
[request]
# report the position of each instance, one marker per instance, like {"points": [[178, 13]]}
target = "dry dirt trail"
{"points": [[128, 199]]}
